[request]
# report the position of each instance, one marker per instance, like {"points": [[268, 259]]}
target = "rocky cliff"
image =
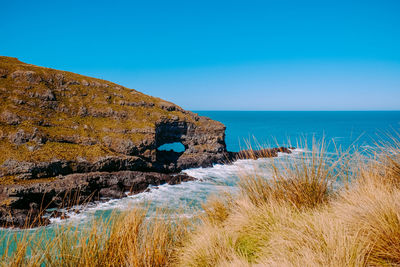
{"points": [[55, 124], [67, 139]]}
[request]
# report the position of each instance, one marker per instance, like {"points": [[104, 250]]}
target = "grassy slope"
{"points": [[117, 119], [99, 96]]}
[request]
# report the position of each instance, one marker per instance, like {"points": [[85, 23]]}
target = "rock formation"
{"points": [[54, 124], [26, 203], [63, 133]]}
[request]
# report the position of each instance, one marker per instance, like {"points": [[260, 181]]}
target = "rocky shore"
{"points": [[27, 203], [67, 139]]}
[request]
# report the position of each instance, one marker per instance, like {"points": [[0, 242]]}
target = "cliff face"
{"points": [[63, 133], [56, 123]]}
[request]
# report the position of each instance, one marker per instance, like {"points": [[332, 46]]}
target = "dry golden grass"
{"points": [[305, 182], [129, 239], [299, 216]]}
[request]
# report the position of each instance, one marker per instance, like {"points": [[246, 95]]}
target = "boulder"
{"points": [[26, 76], [10, 118]]}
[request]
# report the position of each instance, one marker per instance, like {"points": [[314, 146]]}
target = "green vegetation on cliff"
{"points": [[49, 115], [69, 109], [56, 124]]}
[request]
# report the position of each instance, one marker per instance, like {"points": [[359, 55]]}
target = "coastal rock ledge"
{"points": [[64, 134]]}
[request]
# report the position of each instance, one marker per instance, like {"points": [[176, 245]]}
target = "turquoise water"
{"points": [[271, 128]]}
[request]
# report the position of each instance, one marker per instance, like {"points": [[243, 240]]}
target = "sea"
{"points": [[245, 129]]}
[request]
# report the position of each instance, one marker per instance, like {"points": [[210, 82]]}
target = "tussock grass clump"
{"points": [[304, 213], [304, 182], [129, 239]]}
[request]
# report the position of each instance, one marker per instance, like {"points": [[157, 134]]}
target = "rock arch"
{"points": [[204, 143]]}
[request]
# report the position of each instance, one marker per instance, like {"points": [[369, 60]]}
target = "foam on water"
{"points": [[187, 196]]}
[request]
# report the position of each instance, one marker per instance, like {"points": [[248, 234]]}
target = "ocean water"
{"points": [[290, 127], [268, 128]]}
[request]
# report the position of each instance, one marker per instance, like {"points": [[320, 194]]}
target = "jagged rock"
{"points": [[57, 79], [30, 170], [3, 73], [83, 111], [22, 218], [26, 76], [10, 118], [14, 167], [168, 106], [135, 104], [261, 153], [45, 95], [73, 82], [124, 146], [85, 83], [59, 214], [21, 137], [26, 201]]}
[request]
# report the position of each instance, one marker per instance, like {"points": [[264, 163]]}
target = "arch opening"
{"points": [[177, 147]]}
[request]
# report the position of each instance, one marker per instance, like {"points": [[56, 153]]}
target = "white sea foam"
{"points": [[298, 150], [187, 195]]}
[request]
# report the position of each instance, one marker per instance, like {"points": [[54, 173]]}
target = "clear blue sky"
{"points": [[220, 55]]}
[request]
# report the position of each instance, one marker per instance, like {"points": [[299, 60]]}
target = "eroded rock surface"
{"points": [[49, 116], [63, 133], [54, 124]]}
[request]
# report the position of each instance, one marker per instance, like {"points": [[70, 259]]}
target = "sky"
{"points": [[220, 55]]}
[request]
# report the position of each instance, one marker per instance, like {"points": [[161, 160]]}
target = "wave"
{"points": [[187, 196]]}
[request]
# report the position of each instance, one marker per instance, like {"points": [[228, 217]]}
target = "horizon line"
{"points": [[242, 110]]}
